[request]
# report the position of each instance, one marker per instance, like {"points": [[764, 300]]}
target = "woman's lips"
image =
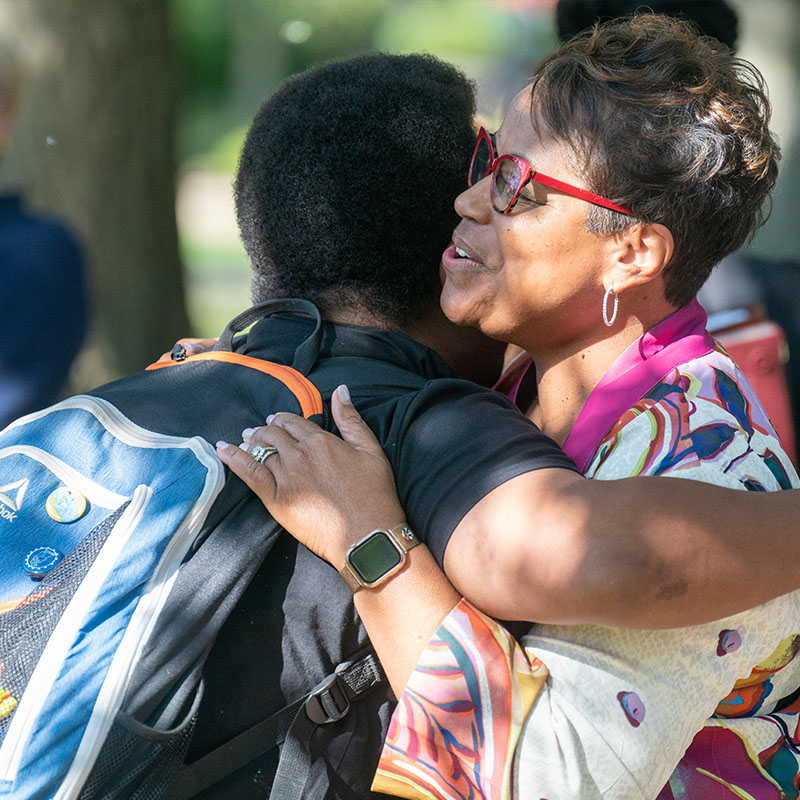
{"points": [[456, 258]]}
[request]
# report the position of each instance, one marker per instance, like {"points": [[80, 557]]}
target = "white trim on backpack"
{"points": [[148, 607], [93, 492]]}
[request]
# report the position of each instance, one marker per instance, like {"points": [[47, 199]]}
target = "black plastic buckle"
{"points": [[178, 352], [328, 702]]}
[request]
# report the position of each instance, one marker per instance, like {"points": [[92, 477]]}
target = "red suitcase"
{"points": [[759, 347]]}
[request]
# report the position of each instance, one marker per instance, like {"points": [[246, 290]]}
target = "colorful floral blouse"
{"points": [[594, 711]]}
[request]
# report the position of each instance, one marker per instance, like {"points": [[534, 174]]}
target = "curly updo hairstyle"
{"points": [[670, 124], [345, 186]]}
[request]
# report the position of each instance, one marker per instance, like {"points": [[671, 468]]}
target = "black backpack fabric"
{"points": [[336, 702]]}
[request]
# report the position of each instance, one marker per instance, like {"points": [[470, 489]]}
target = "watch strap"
{"points": [[404, 536]]}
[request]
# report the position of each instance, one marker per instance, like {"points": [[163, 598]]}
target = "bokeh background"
{"points": [[134, 112]]}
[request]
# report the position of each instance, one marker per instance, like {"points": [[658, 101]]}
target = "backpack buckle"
{"points": [[328, 702]]}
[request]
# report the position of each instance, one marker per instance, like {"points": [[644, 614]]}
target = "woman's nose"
{"points": [[475, 202]]}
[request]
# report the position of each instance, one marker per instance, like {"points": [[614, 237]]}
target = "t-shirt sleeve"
{"points": [[454, 444]]}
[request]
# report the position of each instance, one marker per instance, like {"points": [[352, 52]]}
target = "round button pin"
{"points": [[66, 504], [40, 561]]}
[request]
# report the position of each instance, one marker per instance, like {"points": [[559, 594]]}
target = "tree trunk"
{"points": [[94, 143]]}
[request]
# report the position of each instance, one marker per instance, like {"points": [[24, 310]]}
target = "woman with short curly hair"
{"points": [[637, 158], [676, 129]]}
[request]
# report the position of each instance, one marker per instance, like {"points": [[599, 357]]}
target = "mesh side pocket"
{"points": [[138, 762], [25, 630]]}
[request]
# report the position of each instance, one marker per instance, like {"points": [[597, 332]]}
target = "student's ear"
{"points": [[640, 255]]}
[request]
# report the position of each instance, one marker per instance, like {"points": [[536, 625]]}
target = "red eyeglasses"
{"points": [[511, 173]]}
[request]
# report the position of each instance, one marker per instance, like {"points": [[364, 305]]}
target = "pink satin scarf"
{"points": [[679, 338]]}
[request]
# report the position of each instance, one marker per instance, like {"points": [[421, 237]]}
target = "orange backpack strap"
{"points": [[305, 356], [301, 387]]}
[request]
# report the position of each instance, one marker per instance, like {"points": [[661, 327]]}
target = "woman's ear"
{"points": [[640, 256]]}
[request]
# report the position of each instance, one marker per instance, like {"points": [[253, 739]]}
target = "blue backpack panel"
{"points": [[96, 516]]}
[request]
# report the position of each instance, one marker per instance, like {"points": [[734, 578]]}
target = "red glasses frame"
{"points": [[528, 173]]}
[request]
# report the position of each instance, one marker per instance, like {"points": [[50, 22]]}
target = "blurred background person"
{"points": [[43, 302]]}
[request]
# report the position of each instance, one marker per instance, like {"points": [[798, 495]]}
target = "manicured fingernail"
{"points": [[221, 445], [244, 446], [344, 393], [247, 433], [270, 418]]}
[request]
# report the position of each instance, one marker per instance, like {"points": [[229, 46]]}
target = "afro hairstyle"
{"points": [[345, 185]]}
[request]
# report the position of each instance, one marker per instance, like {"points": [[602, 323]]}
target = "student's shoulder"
{"points": [[454, 416]]}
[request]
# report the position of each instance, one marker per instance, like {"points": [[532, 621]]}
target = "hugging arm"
{"points": [[329, 492], [313, 486], [551, 546], [639, 552]]}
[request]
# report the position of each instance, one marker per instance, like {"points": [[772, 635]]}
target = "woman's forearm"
{"points": [[549, 546], [403, 614]]}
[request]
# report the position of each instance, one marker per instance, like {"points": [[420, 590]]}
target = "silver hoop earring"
{"points": [[609, 322]]}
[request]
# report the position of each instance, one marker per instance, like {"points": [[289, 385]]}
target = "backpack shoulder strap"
{"points": [[294, 376], [301, 387], [306, 354], [291, 727]]}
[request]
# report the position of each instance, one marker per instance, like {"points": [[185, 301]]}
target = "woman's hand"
{"points": [[329, 493], [326, 491]]}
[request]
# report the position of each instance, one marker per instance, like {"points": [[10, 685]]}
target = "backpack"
{"points": [[125, 551]]}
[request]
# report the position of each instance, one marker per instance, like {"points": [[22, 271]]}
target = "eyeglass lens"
{"points": [[505, 183], [505, 180], [480, 161]]}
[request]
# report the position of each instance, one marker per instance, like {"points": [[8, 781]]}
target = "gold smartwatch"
{"points": [[377, 556]]}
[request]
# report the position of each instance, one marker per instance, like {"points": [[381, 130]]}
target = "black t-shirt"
{"points": [[450, 442], [455, 442]]}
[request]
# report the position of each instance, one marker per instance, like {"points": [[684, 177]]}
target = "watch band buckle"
{"points": [[328, 702]]}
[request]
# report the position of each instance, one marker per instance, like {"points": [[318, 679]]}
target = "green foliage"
{"points": [[234, 54], [224, 154], [448, 28], [336, 29], [203, 40]]}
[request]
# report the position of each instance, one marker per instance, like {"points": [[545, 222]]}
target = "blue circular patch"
{"points": [[40, 561]]}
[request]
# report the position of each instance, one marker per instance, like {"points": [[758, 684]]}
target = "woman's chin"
{"points": [[460, 309], [452, 305]]}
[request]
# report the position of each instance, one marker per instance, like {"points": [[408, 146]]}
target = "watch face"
{"points": [[374, 557]]}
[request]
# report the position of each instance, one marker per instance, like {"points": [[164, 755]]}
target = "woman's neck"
{"points": [[567, 376]]}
